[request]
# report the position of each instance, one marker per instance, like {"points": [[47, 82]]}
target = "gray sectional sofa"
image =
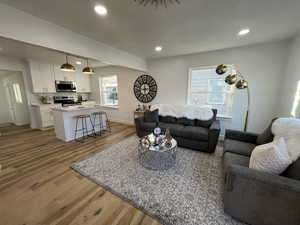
{"points": [[193, 134], [256, 197]]}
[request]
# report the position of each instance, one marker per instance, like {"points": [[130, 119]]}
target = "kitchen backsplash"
{"points": [[35, 98]]}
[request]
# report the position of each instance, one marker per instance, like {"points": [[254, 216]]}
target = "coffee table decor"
{"points": [[189, 193], [156, 152]]}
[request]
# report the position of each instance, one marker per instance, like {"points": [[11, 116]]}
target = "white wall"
{"points": [[290, 81], [127, 100], [262, 65], [18, 25]]}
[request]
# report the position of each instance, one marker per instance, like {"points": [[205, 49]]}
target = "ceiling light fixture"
{"points": [[157, 2], [158, 48], [244, 32], [101, 10], [88, 69], [67, 66]]}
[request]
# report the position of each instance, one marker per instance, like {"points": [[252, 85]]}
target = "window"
{"points": [[109, 90], [17, 92], [208, 88]]}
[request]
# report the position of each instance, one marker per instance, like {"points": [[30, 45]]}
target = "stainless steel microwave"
{"points": [[65, 86]]}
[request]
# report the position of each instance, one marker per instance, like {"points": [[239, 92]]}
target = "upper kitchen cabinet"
{"points": [[42, 76], [83, 82], [63, 75]]}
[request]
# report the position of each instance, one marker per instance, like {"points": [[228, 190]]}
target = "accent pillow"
{"points": [[266, 136], [151, 116], [185, 121], [271, 158], [167, 119], [207, 123]]}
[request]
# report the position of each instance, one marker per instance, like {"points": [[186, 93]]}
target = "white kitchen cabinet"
{"points": [[83, 82], [42, 76], [44, 116], [63, 75]]}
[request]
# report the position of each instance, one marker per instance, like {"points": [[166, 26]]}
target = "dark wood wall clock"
{"points": [[145, 88]]}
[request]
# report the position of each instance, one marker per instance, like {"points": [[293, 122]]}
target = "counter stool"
{"points": [[84, 127], [100, 124]]}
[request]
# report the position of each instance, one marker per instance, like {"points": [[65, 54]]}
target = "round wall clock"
{"points": [[145, 88]]}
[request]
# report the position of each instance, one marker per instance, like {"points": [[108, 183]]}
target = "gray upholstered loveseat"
{"points": [[193, 134], [255, 197]]}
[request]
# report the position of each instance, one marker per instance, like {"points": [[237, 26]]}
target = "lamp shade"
{"points": [[241, 84], [231, 79], [67, 66], [88, 70], [221, 69]]}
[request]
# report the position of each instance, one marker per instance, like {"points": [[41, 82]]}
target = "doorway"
{"points": [[14, 107]]}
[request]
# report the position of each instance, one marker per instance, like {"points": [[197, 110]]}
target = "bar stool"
{"points": [[84, 127], [100, 118]]}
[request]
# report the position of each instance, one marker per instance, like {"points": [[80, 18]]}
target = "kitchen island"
{"points": [[65, 121]]}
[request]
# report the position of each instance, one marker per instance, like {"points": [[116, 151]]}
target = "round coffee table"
{"points": [[159, 158]]}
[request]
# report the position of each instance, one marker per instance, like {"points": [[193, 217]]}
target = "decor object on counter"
{"points": [[240, 83], [145, 88], [267, 195], [67, 66], [201, 112], [187, 193], [45, 100], [157, 3], [271, 158], [88, 69]]}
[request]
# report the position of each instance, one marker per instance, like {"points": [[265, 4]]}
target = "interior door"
{"points": [[9, 98]]}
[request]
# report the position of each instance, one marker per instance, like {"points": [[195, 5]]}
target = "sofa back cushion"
{"points": [[266, 136], [293, 171], [151, 116], [167, 119], [185, 121], [207, 123]]}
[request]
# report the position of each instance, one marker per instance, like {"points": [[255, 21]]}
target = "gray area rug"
{"points": [[188, 194]]}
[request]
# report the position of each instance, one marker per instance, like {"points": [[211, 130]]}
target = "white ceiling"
{"points": [[27, 51], [191, 27]]}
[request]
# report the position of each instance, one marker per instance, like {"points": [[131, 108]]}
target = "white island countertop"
{"points": [[76, 108]]}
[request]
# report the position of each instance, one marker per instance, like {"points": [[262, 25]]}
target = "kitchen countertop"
{"points": [[76, 108]]}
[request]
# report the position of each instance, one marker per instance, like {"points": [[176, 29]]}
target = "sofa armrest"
{"points": [[213, 135], [258, 198], [241, 136], [139, 125]]}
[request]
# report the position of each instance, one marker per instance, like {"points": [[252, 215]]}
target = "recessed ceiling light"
{"points": [[158, 48], [244, 32], [101, 10], [78, 62]]}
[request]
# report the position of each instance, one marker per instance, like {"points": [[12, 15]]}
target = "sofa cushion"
{"points": [[266, 136], [207, 123], [175, 129], [151, 116], [167, 119], [192, 132], [148, 126], [235, 159], [185, 121], [238, 147], [293, 171]]}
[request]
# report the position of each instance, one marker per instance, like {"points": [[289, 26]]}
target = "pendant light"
{"points": [[88, 69], [67, 66]]}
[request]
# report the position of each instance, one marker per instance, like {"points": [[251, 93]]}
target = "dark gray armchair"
{"points": [[256, 197]]}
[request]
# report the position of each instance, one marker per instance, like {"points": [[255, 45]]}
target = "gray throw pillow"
{"points": [[151, 116], [266, 136]]}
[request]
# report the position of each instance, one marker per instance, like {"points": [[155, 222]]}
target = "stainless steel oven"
{"points": [[65, 86]]}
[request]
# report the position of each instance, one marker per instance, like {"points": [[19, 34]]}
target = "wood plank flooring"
{"points": [[37, 186]]}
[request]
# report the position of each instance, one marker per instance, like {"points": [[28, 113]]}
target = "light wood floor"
{"points": [[37, 186]]}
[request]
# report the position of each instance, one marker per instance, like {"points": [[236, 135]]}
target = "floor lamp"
{"points": [[240, 83]]}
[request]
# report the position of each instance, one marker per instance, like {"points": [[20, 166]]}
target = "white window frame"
{"points": [[101, 91], [231, 92]]}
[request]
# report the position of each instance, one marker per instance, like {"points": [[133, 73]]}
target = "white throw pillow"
{"points": [[289, 129], [272, 157]]}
